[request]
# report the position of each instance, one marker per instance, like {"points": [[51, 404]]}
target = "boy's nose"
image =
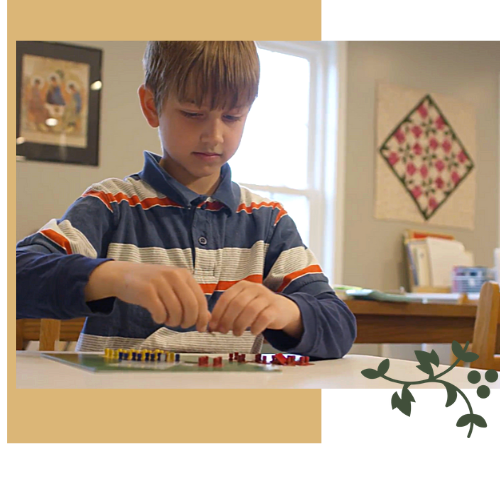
{"points": [[213, 133]]}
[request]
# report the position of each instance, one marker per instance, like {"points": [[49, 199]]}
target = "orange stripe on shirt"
{"points": [[108, 198], [281, 213], [297, 274], [99, 194], [58, 239], [254, 206], [226, 285]]}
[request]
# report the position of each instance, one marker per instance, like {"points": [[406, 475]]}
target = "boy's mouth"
{"points": [[207, 156]]}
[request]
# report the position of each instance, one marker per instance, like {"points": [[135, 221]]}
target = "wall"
{"points": [[469, 71], [45, 190]]}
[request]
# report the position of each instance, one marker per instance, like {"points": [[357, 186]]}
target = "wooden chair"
{"points": [[486, 338], [47, 332]]}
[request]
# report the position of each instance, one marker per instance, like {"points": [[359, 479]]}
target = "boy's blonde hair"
{"points": [[225, 73]]}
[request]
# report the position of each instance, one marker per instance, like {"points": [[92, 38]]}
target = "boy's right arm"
{"points": [[54, 264], [62, 273]]}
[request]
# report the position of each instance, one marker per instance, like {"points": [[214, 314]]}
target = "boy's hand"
{"points": [[248, 304], [170, 294]]}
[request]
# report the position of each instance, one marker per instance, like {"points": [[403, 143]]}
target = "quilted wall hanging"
{"points": [[425, 167]]}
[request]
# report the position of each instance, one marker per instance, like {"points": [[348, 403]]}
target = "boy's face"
{"points": [[198, 140]]}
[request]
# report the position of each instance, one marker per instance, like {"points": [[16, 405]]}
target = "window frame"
{"points": [[325, 169]]}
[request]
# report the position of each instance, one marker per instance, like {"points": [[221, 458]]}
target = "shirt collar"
{"points": [[160, 180]]}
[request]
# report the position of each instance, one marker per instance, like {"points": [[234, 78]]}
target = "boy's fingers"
{"points": [[157, 309], [222, 305], [203, 314], [189, 304], [248, 315], [234, 308], [263, 320], [172, 305]]}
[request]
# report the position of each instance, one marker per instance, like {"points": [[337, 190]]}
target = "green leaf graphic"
{"points": [[383, 367], [395, 400], [423, 356], [464, 420], [403, 404], [468, 357], [478, 420], [407, 395], [457, 349], [427, 368], [425, 359], [370, 373], [451, 390], [434, 358]]}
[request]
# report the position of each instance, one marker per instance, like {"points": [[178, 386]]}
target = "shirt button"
{"points": [[202, 240]]}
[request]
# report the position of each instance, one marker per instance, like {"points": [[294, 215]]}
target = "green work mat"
{"points": [[187, 363]]}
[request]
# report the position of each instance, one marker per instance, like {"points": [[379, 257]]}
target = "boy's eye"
{"points": [[191, 114], [232, 118]]}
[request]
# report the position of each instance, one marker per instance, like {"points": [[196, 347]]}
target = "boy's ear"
{"points": [[147, 100]]}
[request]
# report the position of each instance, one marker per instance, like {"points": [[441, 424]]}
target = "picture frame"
{"points": [[58, 102]]}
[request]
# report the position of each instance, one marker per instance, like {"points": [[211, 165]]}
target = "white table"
{"points": [[36, 372]]}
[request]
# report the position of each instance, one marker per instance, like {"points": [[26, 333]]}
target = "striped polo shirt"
{"points": [[149, 217]]}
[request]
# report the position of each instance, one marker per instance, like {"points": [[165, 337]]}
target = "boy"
{"points": [[157, 259]]}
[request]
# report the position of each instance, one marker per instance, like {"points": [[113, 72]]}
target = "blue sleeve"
{"points": [[292, 270], [54, 264]]}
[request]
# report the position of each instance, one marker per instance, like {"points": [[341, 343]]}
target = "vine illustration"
{"points": [[426, 360]]}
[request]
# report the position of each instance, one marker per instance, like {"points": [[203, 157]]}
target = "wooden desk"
{"points": [[412, 323], [378, 323]]}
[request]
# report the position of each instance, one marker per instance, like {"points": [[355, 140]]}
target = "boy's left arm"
{"points": [[291, 270], [295, 308], [328, 326]]}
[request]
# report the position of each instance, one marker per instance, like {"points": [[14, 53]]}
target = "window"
{"points": [[284, 154]]}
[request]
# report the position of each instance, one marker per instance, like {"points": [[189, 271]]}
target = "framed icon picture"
{"points": [[58, 102]]}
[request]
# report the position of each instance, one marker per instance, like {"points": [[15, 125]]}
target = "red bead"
{"points": [[203, 361], [279, 359], [230, 356]]}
